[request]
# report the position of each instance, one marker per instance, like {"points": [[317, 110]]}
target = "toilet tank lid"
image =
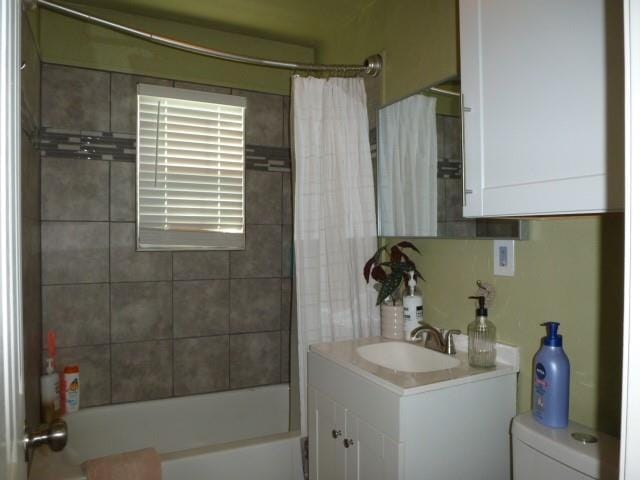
{"points": [[598, 460]]}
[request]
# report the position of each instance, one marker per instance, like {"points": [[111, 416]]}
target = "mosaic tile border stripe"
{"points": [[94, 145]]}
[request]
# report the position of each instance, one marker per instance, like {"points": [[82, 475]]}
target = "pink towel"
{"points": [[138, 465]]}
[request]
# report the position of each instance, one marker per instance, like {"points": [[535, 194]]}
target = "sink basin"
{"points": [[405, 357]]}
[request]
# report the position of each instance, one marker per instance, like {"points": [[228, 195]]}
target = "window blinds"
{"points": [[190, 169]]}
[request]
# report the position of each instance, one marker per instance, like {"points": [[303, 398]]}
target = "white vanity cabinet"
{"points": [[542, 89], [345, 446], [362, 426]]}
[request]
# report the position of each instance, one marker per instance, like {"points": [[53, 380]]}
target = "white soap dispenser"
{"points": [[412, 306], [50, 393]]}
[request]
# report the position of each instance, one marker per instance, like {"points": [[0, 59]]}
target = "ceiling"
{"points": [[303, 22]]}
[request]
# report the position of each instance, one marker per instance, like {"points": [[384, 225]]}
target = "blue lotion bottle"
{"points": [[551, 372]]}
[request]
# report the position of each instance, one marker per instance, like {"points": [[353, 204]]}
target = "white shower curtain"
{"points": [[334, 216], [408, 161]]}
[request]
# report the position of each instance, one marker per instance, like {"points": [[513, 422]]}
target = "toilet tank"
{"points": [[542, 453]]}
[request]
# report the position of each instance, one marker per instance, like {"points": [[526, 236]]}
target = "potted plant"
{"points": [[389, 267]]}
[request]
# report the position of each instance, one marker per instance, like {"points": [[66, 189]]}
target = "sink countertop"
{"points": [[345, 354]]}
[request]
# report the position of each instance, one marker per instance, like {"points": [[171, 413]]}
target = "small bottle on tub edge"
{"points": [[50, 384], [71, 388]]}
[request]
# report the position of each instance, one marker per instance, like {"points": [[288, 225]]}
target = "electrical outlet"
{"points": [[504, 258]]}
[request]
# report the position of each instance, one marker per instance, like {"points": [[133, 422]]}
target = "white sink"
{"points": [[405, 357]]}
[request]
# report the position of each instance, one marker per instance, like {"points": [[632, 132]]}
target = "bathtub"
{"points": [[239, 434]]}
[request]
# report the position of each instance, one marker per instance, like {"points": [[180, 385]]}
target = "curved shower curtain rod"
{"points": [[372, 65]]}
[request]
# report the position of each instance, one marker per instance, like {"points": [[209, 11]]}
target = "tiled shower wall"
{"points": [[30, 199], [147, 325]]}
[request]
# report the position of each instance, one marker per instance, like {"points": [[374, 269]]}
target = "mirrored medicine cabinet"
{"points": [[420, 170]]}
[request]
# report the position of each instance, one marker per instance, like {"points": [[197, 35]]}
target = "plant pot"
{"points": [[392, 322]]}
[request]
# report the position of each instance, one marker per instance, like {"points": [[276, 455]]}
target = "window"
{"points": [[190, 170]]}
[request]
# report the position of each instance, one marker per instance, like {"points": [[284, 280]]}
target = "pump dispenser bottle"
{"points": [[551, 380], [482, 338], [412, 306], [50, 384]]}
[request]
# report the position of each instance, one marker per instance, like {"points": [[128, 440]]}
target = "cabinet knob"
{"points": [[336, 433], [347, 442]]}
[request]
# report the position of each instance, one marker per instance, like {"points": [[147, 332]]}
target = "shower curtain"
{"points": [[408, 160], [334, 215]]}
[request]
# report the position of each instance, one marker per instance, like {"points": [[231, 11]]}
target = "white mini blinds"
{"points": [[190, 170]]}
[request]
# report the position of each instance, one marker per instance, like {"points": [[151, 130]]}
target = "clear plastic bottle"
{"points": [[482, 338]]}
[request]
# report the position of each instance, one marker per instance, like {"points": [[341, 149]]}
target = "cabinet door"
{"points": [[327, 455], [542, 85], [370, 454]]}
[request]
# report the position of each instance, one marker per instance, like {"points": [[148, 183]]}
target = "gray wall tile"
{"points": [[30, 205], [29, 177], [200, 308], [140, 311], [141, 371], [128, 265], [255, 305], [75, 189], [497, 228], [442, 199], [75, 252], [264, 118], [79, 314], [95, 372], [285, 342], [201, 365], [262, 256], [124, 99], [287, 250], [167, 314], [202, 87], [285, 309], [123, 192], [286, 123], [463, 228], [75, 98], [263, 197], [453, 199], [254, 359], [287, 199], [31, 317], [451, 140], [200, 265], [440, 133]]}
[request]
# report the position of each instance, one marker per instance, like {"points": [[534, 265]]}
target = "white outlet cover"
{"points": [[504, 258]]}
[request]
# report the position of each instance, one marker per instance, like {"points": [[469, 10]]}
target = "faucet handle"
{"points": [[448, 341]]}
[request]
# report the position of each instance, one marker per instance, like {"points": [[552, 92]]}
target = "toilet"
{"points": [[572, 453]]}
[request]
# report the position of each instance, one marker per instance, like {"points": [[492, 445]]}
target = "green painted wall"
{"points": [[418, 41], [71, 42], [570, 270]]}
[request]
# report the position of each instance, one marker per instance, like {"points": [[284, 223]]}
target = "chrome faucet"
{"points": [[444, 342]]}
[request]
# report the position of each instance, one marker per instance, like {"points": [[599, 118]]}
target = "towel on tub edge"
{"points": [[138, 465]]}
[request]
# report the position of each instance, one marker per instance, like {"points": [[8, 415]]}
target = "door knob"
{"points": [[336, 433], [347, 442], [53, 434]]}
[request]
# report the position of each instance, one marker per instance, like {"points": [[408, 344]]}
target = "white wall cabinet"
{"points": [[542, 89]]}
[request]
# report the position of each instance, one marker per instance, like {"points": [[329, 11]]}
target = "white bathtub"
{"points": [[232, 435]]}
